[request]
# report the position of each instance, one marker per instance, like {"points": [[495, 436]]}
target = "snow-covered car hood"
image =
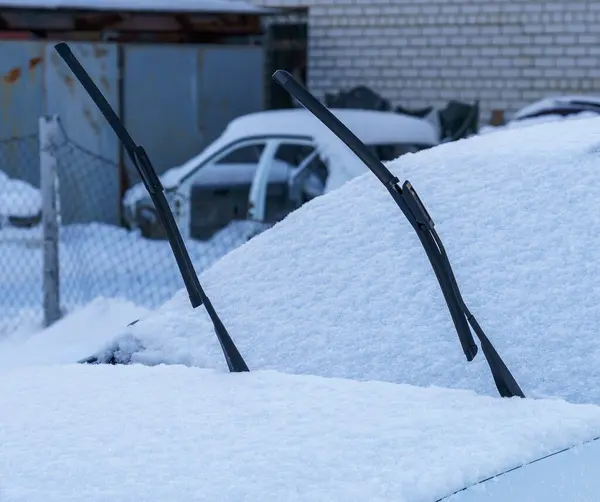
{"points": [[343, 288], [372, 127], [175, 433]]}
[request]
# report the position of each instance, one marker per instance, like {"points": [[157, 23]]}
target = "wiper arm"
{"points": [[140, 160], [408, 201]]}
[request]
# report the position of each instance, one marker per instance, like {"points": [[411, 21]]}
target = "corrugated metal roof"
{"points": [[190, 6]]}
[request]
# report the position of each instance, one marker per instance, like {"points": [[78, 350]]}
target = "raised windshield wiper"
{"points": [[140, 160], [414, 210]]}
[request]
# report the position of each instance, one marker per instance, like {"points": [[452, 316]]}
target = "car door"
{"points": [[567, 476], [216, 192], [285, 179]]}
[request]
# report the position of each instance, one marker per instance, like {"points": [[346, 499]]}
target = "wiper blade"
{"points": [[140, 160], [410, 204]]}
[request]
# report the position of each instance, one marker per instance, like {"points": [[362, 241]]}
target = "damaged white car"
{"points": [[267, 164]]}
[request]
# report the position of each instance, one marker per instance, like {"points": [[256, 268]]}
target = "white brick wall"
{"points": [[505, 53]]}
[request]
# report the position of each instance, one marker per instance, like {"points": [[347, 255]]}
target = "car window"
{"points": [[246, 154], [293, 153], [233, 166]]}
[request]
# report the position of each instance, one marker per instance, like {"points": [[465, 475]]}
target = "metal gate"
{"points": [[180, 98]]}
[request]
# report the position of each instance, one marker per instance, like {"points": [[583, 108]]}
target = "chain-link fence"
{"points": [[92, 254], [20, 233]]}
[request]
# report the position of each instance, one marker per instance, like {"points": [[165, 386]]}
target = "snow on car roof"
{"points": [[342, 286], [175, 433], [237, 6], [553, 102], [570, 475], [531, 121], [372, 127]]}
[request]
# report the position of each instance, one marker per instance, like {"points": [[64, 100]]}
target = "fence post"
{"points": [[48, 134]]}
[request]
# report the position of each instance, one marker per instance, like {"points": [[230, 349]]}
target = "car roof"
{"points": [[371, 126]]}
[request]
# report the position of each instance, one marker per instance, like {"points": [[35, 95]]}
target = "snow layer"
{"points": [[70, 339], [343, 288], [173, 433]]}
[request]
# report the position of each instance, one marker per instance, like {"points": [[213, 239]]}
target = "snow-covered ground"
{"points": [[343, 288], [97, 261], [97, 433]]}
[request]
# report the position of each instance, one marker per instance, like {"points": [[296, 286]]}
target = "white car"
{"points": [[267, 164], [344, 287], [551, 109], [560, 106]]}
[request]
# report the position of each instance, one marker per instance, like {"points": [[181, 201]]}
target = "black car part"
{"points": [[140, 160], [408, 201]]}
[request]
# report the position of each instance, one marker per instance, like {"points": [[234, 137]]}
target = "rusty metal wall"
{"points": [[34, 81], [21, 104], [89, 173], [180, 98], [176, 100]]}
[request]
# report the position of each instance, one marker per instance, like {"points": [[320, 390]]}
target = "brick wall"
{"points": [[505, 53]]}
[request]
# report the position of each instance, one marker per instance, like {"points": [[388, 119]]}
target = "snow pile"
{"points": [[343, 288], [173, 433], [71, 338], [18, 198]]}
